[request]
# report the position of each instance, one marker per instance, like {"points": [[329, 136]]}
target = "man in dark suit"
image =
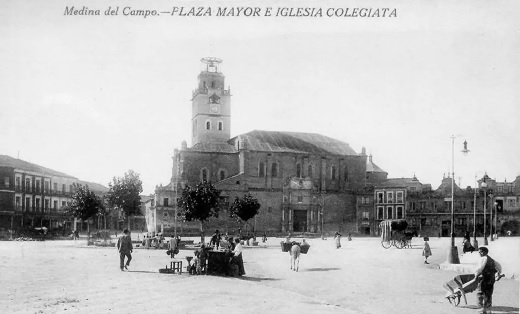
{"points": [[125, 248]]}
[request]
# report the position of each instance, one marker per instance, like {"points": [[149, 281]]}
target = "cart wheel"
{"points": [[398, 244], [386, 244], [456, 300]]}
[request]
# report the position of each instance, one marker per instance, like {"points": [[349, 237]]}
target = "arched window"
{"points": [[274, 170], [222, 174], [346, 174], [298, 170], [220, 126], [333, 172], [261, 169], [208, 125], [212, 84], [204, 174], [310, 171]]}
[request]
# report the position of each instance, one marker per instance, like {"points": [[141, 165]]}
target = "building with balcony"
{"points": [[429, 211], [32, 195]]}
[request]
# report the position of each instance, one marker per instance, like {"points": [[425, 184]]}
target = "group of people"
{"points": [[156, 242], [487, 272], [337, 239], [233, 256]]}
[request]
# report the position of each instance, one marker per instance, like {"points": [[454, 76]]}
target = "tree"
{"points": [[84, 204], [124, 194], [200, 203], [243, 209]]}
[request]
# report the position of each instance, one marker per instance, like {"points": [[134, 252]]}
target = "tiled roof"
{"points": [[96, 187], [213, 148], [293, 142], [7, 161]]}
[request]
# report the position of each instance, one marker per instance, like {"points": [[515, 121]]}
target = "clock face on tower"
{"points": [[214, 109]]}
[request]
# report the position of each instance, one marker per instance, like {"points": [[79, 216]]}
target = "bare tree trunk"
{"points": [[88, 231], [202, 240]]}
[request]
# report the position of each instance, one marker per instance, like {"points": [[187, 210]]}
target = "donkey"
{"points": [[295, 256]]}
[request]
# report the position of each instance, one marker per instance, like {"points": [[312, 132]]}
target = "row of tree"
{"points": [[203, 202], [123, 195], [200, 202]]}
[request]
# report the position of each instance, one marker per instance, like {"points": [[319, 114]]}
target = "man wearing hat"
{"points": [[125, 248], [485, 275]]}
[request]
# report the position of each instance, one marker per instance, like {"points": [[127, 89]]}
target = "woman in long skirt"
{"points": [[426, 250]]}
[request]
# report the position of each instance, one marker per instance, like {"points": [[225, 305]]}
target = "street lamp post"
{"points": [[475, 242], [453, 254], [484, 185], [496, 214], [491, 218]]}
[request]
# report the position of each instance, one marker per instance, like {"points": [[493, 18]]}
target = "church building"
{"points": [[305, 182]]}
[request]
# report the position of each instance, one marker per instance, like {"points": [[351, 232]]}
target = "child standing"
{"points": [[426, 250]]}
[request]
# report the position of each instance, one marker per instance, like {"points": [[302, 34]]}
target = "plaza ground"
{"points": [[360, 277]]}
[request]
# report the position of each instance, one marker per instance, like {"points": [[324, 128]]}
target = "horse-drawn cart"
{"points": [[393, 232]]}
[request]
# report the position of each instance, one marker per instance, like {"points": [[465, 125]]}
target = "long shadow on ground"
{"points": [[321, 269], [495, 309], [258, 279]]}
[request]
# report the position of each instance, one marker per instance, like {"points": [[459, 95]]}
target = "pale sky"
{"points": [[95, 96]]}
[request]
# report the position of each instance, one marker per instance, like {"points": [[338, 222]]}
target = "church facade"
{"points": [[305, 182]]}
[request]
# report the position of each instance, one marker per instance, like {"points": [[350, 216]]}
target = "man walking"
{"points": [[124, 245], [485, 275]]}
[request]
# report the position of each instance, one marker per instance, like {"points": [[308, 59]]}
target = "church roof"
{"points": [[213, 148], [293, 142], [8, 161]]}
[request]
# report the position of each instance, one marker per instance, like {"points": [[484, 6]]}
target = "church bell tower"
{"points": [[211, 102]]}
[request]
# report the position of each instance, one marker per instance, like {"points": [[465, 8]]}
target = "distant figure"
{"points": [[231, 244], [466, 236], [147, 242], [173, 247], [350, 237], [195, 267], [337, 239], [237, 257], [125, 248], [264, 238], [426, 250], [215, 240], [203, 256], [485, 275], [466, 246]]}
